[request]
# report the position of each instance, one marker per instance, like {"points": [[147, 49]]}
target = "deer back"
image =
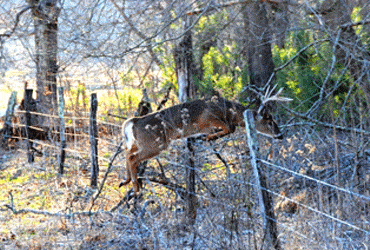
{"points": [[183, 120]]}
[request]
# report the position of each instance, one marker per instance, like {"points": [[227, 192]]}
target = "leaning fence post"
{"points": [[8, 128], [62, 129], [265, 198], [93, 132]]}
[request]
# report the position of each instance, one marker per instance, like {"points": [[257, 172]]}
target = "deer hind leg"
{"points": [[133, 177], [132, 165], [130, 156], [128, 174]]}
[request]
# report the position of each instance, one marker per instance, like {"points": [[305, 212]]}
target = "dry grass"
{"points": [[314, 217]]}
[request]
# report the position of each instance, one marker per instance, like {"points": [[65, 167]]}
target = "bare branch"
{"points": [[118, 151], [138, 32], [233, 3], [17, 19], [325, 124], [346, 25]]}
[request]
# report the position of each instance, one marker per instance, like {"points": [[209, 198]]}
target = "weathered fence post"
{"points": [[54, 93], [54, 100], [265, 198], [62, 129], [27, 106], [8, 128], [191, 204], [93, 131]]}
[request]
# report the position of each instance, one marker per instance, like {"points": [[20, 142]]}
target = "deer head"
{"points": [[147, 136]]}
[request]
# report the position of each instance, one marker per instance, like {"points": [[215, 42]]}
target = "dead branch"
{"points": [[17, 19], [325, 124], [172, 186], [118, 116], [118, 151], [233, 3], [12, 208], [346, 25], [129, 195], [165, 99]]}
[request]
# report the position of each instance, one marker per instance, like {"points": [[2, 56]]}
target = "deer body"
{"points": [[146, 136]]}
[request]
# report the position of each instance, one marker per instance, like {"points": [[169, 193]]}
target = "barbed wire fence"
{"points": [[317, 204], [318, 176]]}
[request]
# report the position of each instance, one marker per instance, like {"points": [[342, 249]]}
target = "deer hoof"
{"points": [[124, 183]]}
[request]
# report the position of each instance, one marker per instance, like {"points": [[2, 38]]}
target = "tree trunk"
{"points": [[184, 70], [258, 45], [279, 22], [183, 55], [45, 13]]}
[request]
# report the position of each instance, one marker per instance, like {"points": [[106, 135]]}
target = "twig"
{"points": [[218, 155], [143, 210], [350, 24], [129, 195], [172, 186], [118, 116], [299, 53], [213, 195], [165, 99], [118, 151], [12, 208], [17, 18], [65, 215]]}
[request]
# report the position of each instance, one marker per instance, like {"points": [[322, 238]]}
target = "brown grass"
{"points": [[227, 214]]}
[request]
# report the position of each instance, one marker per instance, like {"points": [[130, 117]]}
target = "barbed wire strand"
{"points": [[315, 180]]}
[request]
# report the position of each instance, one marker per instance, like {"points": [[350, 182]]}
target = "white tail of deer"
{"points": [[147, 136]]}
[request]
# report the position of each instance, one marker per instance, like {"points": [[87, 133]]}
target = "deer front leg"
{"points": [[215, 136], [223, 130]]}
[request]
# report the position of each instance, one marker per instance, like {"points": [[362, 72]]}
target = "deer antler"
{"points": [[267, 98]]}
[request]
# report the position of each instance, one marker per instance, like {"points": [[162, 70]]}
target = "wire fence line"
{"points": [[211, 150], [270, 164], [110, 140], [315, 180]]}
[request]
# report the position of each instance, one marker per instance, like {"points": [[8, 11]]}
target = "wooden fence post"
{"points": [[191, 203], [93, 131], [55, 110], [27, 106], [265, 198], [62, 129], [54, 93], [8, 128]]}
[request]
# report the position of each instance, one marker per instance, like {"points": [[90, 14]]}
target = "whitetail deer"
{"points": [[147, 136]]}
